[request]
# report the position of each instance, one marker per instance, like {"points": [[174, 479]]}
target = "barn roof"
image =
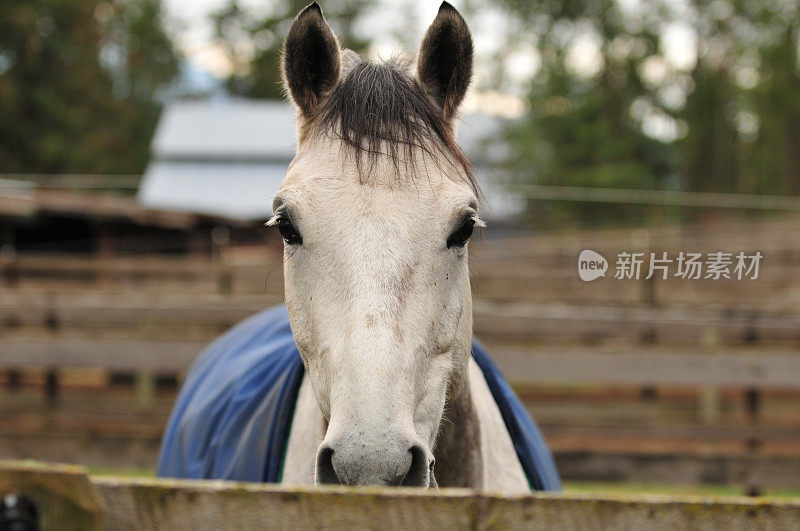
{"points": [[229, 130], [23, 199], [227, 157]]}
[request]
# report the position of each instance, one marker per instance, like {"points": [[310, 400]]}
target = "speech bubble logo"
{"points": [[591, 265]]}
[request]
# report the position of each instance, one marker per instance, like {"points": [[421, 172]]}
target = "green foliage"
{"points": [[253, 43], [733, 127], [580, 130], [79, 84], [770, 162]]}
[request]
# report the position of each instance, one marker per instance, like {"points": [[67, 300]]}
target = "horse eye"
{"points": [[289, 233], [461, 235]]}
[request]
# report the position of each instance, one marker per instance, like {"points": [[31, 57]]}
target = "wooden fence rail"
{"points": [[768, 368], [519, 321], [544, 277], [67, 498]]}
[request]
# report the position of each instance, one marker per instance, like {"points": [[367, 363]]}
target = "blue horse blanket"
{"points": [[234, 412]]}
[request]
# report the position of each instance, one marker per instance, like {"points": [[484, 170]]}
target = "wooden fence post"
{"points": [[752, 398], [51, 386], [220, 238], [709, 394], [105, 243], [8, 264], [63, 496], [13, 377], [145, 388]]}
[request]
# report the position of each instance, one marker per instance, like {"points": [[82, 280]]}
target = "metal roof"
{"points": [[227, 157], [228, 129], [241, 191]]}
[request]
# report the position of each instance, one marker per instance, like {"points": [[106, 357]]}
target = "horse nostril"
{"points": [[419, 473], [326, 474]]}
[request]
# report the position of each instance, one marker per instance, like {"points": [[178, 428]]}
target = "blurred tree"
{"points": [[770, 154], [708, 152], [588, 102], [610, 105], [79, 84], [253, 43]]}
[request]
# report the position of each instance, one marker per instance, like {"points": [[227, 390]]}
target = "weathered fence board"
{"points": [[539, 268], [492, 319], [682, 468], [160, 356], [173, 504], [169, 504], [63, 495], [604, 321], [756, 368], [764, 367]]}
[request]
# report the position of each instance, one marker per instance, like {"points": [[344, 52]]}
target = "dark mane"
{"points": [[378, 109]]}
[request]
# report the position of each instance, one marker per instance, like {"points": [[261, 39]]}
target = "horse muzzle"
{"points": [[402, 462]]}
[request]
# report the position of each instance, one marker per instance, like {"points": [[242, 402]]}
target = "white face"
{"points": [[379, 305], [375, 259]]}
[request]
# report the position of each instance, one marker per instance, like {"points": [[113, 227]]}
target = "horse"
{"points": [[376, 211]]}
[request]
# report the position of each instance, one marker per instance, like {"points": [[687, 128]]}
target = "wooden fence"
{"points": [[148, 316], [151, 316], [769, 368], [534, 343], [541, 268], [67, 498], [162, 339]]}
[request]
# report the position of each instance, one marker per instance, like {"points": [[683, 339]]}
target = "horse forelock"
{"points": [[378, 110]]}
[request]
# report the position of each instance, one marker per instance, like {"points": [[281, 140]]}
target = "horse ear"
{"points": [[444, 64], [310, 60]]}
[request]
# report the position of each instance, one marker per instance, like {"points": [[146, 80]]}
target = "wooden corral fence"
{"points": [[65, 497], [159, 339], [133, 439], [151, 315], [522, 321], [163, 337], [512, 268], [496, 276], [725, 367]]}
